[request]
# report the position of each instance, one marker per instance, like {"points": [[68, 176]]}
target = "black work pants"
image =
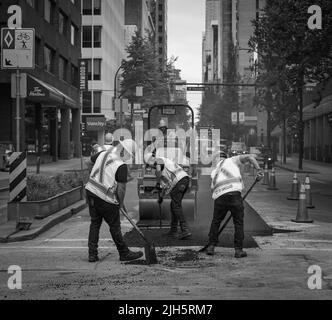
{"points": [[177, 195], [232, 202], [99, 210]]}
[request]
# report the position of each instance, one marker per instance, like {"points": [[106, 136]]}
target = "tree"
{"points": [[295, 54], [142, 68]]}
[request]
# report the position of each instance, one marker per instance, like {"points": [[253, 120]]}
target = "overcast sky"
{"points": [[186, 23]]}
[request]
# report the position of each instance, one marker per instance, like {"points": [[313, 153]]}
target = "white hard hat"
{"points": [[129, 145], [109, 138], [162, 123]]}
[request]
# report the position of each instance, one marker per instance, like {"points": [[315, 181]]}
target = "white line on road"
{"points": [[73, 240]]}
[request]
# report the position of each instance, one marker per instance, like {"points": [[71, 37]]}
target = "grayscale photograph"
{"points": [[165, 155]]}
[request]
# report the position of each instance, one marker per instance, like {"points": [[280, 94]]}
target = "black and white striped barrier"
{"points": [[18, 177]]}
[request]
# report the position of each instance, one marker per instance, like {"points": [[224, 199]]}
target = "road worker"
{"points": [[173, 180], [105, 194], [227, 186]]}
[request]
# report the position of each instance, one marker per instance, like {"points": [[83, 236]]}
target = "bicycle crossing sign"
{"points": [[17, 48]]}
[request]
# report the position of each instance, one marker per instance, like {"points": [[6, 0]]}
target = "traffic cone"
{"points": [[302, 211], [295, 189], [266, 180], [272, 184], [308, 193]]}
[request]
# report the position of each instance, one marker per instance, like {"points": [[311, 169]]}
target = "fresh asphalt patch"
{"points": [[158, 237]]}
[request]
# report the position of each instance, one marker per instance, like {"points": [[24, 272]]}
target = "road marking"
{"points": [[73, 240]]}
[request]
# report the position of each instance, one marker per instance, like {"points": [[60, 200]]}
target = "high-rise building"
{"points": [[138, 17], [103, 46], [160, 20], [50, 113]]}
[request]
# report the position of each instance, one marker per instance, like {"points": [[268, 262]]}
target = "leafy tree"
{"points": [[293, 54]]}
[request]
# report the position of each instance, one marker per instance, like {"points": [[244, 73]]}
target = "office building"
{"points": [[50, 113]]}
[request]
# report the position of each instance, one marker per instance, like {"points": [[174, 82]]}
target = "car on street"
{"points": [[265, 157]]}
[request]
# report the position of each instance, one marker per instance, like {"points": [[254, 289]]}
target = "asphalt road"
{"points": [[55, 267]]}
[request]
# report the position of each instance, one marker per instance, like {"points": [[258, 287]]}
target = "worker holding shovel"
{"points": [[173, 180], [227, 186]]}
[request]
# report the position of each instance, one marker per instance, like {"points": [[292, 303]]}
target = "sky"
{"points": [[186, 24]]}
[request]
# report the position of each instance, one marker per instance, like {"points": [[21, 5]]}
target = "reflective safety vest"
{"points": [[102, 181], [226, 177], [171, 175]]}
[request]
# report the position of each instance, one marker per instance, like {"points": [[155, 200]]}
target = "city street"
{"points": [[55, 264]]}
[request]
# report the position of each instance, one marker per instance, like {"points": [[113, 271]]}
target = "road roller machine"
{"points": [[172, 146]]}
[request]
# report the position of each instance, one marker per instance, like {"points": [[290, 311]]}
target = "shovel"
{"points": [[230, 217], [149, 248]]}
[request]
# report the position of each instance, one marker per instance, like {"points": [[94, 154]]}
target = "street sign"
{"points": [[140, 111], [242, 117], [195, 88], [22, 87], [18, 48], [83, 69]]}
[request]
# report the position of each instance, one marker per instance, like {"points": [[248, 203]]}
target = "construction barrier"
{"points": [[273, 183], [302, 211], [18, 177], [295, 189], [308, 193], [266, 180]]}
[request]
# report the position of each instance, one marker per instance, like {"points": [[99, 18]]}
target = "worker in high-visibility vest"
{"points": [[227, 186], [105, 193], [173, 180]]}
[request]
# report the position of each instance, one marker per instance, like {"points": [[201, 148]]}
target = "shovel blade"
{"points": [[150, 254]]}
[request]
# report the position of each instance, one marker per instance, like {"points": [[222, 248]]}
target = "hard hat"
{"points": [[129, 145], [162, 123], [109, 138]]}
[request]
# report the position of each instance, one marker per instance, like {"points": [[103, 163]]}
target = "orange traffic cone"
{"points": [[295, 189], [308, 193], [266, 180], [273, 184], [302, 211]]}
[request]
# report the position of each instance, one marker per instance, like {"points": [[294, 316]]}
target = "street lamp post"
{"points": [[116, 93]]}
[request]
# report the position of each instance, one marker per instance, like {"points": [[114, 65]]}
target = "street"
{"points": [[55, 266]]}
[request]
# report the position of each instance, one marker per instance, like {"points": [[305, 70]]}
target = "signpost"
{"points": [[195, 88], [17, 52]]}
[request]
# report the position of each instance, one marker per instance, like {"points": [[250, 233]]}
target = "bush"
{"points": [[42, 187]]}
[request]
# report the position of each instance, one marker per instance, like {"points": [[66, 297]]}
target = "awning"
{"points": [[42, 92]]}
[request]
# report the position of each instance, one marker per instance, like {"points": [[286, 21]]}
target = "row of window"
{"points": [[65, 27], [88, 105], [46, 58]]}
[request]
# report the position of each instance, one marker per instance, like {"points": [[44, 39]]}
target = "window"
{"points": [[49, 55], [38, 56], [62, 23], [87, 100], [96, 69], [73, 34], [97, 102], [87, 37], [160, 39], [48, 11], [74, 76], [160, 17], [62, 68], [87, 7]]}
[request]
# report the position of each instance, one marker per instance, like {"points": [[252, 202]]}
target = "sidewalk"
{"points": [[277, 212], [309, 166], [38, 226]]}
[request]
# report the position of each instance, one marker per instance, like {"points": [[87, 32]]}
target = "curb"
{"points": [[48, 225], [297, 170]]}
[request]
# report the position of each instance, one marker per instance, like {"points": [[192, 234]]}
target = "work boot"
{"points": [[184, 235], [239, 253], [130, 256], [210, 250], [93, 258]]}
